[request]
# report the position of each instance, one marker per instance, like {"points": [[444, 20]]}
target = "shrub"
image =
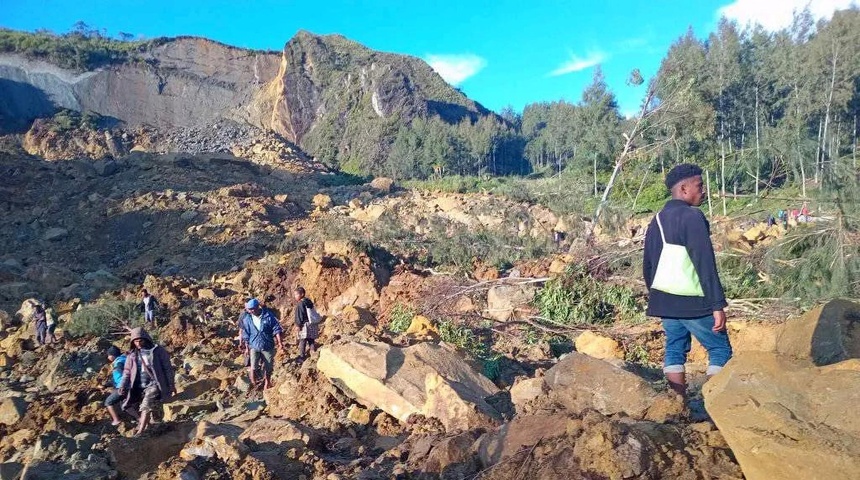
{"points": [[577, 298], [101, 319], [465, 338], [400, 318]]}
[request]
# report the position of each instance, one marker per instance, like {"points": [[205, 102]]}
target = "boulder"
{"points": [[421, 327], [786, 418], [359, 415], [425, 379], [526, 390], [322, 201], [599, 346], [503, 301], [580, 382], [54, 234], [521, 432], [12, 410], [825, 335], [176, 409], [268, 433], [6, 361], [382, 184], [215, 441], [193, 390]]}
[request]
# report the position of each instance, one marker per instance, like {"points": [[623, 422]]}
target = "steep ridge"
{"points": [[337, 99]]}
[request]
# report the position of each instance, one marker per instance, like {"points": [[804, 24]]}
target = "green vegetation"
{"points": [[578, 298], [66, 120], [81, 49], [400, 318], [104, 318], [465, 338]]}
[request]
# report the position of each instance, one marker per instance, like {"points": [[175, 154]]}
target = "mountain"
{"points": [[340, 101]]}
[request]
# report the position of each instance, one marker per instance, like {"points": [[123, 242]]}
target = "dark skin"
{"points": [[692, 192]]}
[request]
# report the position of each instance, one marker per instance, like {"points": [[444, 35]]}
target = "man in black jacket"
{"points": [[680, 270]]}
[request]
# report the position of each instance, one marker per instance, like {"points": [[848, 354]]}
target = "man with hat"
{"points": [[148, 376], [260, 331], [680, 270]]}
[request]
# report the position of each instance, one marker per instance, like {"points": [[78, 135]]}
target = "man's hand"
{"points": [[719, 321]]}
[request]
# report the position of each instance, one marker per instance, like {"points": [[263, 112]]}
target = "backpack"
{"points": [[314, 316]]}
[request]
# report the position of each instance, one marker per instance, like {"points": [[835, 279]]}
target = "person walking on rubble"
{"points": [[260, 334], [117, 359], [148, 376], [307, 323], [148, 305], [680, 272]]}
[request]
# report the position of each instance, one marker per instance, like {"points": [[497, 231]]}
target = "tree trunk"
{"points": [[829, 99], [854, 143], [757, 145], [818, 152], [708, 183], [641, 186], [595, 174], [723, 173]]}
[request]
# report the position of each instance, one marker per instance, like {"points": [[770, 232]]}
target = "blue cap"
{"points": [[252, 304]]}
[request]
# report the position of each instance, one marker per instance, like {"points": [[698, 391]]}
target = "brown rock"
{"points": [[599, 346], [12, 410], [382, 184], [503, 301], [174, 410], [422, 379], [215, 441], [322, 201], [787, 419], [267, 433], [825, 335], [526, 390], [359, 415]]}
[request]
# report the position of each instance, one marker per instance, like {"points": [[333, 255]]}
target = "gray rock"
{"points": [[55, 233]]}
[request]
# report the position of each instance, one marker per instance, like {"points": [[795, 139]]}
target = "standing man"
{"points": [[148, 305], [680, 271], [40, 319], [260, 331]]}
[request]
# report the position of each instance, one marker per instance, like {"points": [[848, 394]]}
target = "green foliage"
{"points": [[465, 338], [101, 319], [66, 120], [81, 49], [577, 298], [400, 318]]}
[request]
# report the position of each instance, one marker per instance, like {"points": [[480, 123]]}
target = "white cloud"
{"points": [[776, 15], [455, 69], [576, 63]]}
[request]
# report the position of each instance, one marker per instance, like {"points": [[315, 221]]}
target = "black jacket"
{"points": [[300, 313], [683, 225]]}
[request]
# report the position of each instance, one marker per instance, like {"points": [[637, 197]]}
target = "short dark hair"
{"points": [[114, 351], [682, 172], [145, 291], [300, 291]]}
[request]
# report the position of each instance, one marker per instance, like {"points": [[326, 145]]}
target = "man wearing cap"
{"points": [[260, 331], [680, 270], [148, 376]]}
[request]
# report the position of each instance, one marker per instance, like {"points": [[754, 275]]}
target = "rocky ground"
{"points": [[402, 387]]}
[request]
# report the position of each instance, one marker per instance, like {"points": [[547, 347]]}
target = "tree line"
{"points": [[758, 109]]}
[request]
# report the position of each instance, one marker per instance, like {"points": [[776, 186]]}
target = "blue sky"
{"points": [[499, 52]]}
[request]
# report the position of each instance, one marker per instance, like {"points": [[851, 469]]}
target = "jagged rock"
{"points": [[422, 379], [322, 201], [527, 390], [521, 432], [176, 409], [359, 415], [58, 454], [134, 457], [421, 327], [55, 233], [215, 441], [503, 301], [825, 335], [451, 456], [6, 361], [341, 276], [268, 433], [190, 391], [12, 410], [787, 419], [579, 382], [598, 346]]}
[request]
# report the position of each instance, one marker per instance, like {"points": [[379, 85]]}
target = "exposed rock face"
{"points": [[787, 419], [422, 379], [313, 93]]}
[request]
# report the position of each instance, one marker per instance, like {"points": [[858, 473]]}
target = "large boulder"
{"points": [[580, 382], [215, 441], [425, 379], [599, 346], [12, 410], [273, 433], [504, 301], [136, 456], [342, 275], [827, 334], [788, 419]]}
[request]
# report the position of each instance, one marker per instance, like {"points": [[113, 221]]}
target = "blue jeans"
{"points": [[678, 343], [149, 315]]}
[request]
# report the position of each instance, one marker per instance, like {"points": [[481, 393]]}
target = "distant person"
{"points": [[307, 327], [40, 321], [148, 305], [680, 271], [117, 359], [51, 323], [148, 376], [783, 218], [261, 333], [804, 213], [770, 220]]}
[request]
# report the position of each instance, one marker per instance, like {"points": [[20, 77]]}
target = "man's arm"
{"points": [[697, 238], [652, 248]]}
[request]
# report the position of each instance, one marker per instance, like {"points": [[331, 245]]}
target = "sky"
{"points": [[499, 52]]}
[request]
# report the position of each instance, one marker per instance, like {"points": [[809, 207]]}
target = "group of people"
{"points": [[789, 217], [143, 377]]}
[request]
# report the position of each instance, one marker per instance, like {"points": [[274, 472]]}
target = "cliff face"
{"points": [[337, 99]]}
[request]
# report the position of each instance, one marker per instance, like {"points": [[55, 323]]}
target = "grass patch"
{"points": [[400, 318], [104, 318], [465, 338]]}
